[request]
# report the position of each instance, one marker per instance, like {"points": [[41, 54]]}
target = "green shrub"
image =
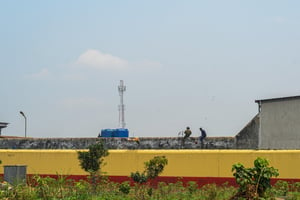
{"points": [[91, 161], [295, 187], [192, 186], [124, 187], [254, 181], [153, 168], [210, 191], [281, 188], [139, 177]]}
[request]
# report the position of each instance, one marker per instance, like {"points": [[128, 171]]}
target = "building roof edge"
{"points": [[278, 99]]}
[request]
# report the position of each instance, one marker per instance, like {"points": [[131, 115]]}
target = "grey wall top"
{"points": [[118, 143]]}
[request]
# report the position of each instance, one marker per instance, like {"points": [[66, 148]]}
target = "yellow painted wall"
{"points": [[43, 161], [182, 163]]}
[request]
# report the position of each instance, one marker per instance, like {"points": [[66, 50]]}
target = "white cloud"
{"points": [[43, 74], [98, 60]]}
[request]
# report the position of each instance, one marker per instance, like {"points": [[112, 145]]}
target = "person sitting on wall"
{"points": [[203, 135], [187, 133]]}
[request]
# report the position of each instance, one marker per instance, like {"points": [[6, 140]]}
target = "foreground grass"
{"points": [[61, 188]]}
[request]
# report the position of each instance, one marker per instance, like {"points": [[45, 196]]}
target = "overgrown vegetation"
{"points": [[253, 181], [46, 188], [91, 161], [153, 168]]}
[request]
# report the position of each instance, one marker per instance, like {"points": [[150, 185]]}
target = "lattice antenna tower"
{"points": [[122, 89]]}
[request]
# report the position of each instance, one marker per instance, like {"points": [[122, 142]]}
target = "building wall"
{"points": [[247, 138], [280, 124], [202, 166]]}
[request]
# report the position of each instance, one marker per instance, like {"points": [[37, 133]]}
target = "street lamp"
{"points": [[25, 121]]}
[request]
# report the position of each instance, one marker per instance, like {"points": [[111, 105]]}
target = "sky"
{"points": [[184, 63]]}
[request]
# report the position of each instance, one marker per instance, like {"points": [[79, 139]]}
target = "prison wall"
{"points": [[201, 166], [119, 143]]}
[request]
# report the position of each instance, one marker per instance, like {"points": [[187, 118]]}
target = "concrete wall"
{"points": [[118, 143], [200, 165], [247, 138], [280, 124]]}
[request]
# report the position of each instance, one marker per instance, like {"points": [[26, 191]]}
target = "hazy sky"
{"points": [[185, 63]]}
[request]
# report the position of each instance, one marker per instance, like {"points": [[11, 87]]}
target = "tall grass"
{"points": [[46, 188]]}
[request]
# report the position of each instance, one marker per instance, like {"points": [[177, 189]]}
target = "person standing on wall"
{"points": [[203, 135]]}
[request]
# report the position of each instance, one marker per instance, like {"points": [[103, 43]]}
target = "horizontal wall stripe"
{"points": [[201, 181]]}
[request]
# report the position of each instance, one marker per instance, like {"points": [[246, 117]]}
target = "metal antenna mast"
{"points": [[122, 89]]}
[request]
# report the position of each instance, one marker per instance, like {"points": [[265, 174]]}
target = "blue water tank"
{"points": [[107, 132], [121, 132]]}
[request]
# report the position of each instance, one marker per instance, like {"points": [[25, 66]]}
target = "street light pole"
{"points": [[25, 121]]}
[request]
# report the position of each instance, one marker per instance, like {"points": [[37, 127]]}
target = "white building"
{"points": [[279, 123]]}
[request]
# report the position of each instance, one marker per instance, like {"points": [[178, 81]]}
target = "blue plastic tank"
{"points": [[107, 132], [121, 132]]}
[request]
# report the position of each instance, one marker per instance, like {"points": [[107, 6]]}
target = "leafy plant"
{"points": [[295, 187], [281, 188], [44, 186], [91, 160], [153, 168], [124, 187], [192, 186], [210, 191], [139, 177], [254, 181], [81, 190]]}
